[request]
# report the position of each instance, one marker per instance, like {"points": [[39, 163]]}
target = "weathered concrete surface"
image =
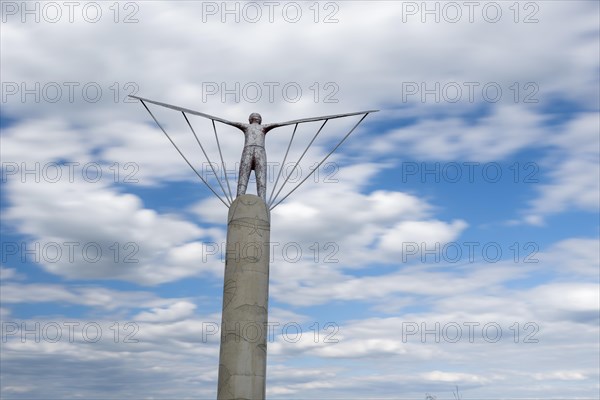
{"points": [[243, 355]]}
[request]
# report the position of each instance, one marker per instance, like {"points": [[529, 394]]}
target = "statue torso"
{"points": [[255, 135]]}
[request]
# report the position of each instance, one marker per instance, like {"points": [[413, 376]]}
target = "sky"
{"points": [[451, 244]]}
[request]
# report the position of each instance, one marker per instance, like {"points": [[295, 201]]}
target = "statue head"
{"points": [[255, 117]]}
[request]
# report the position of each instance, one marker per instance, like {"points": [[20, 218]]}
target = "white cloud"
{"points": [[454, 377], [112, 235], [577, 302], [87, 295], [574, 257], [508, 129], [419, 233], [561, 375], [174, 312], [8, 274], [574, 171]]}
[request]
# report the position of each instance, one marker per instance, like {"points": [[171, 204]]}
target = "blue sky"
{"points": [[441, 211]]}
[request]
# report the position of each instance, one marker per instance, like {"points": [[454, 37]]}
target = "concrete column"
{"points": [[243, 355]]}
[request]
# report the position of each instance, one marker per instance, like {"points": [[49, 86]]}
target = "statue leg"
{"points": [[245, 169], [260, 170]]}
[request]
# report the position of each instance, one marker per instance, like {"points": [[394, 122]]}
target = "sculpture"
{"points": [[254, 156]]}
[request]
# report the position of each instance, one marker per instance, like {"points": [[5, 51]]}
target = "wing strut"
{"points": [[297, 162], [317, 167], [181, 154]]}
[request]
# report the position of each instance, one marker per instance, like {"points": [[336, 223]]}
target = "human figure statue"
{"points": [[254, 156]]}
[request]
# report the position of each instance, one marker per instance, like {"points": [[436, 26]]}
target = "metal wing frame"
{"points": [[228, 200]]}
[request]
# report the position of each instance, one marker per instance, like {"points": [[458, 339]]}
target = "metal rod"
{"points": [[283, 163], [187, 110], [206, 155], [312, 119], [180, 153], [298, 162], [326, 157], [222, 162]]}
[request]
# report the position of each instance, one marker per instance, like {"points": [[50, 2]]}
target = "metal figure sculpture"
{"points": [[254, 156]]}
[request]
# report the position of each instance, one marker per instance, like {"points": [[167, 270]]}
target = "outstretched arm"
{"points": [[238, 125], [268, 127]]}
